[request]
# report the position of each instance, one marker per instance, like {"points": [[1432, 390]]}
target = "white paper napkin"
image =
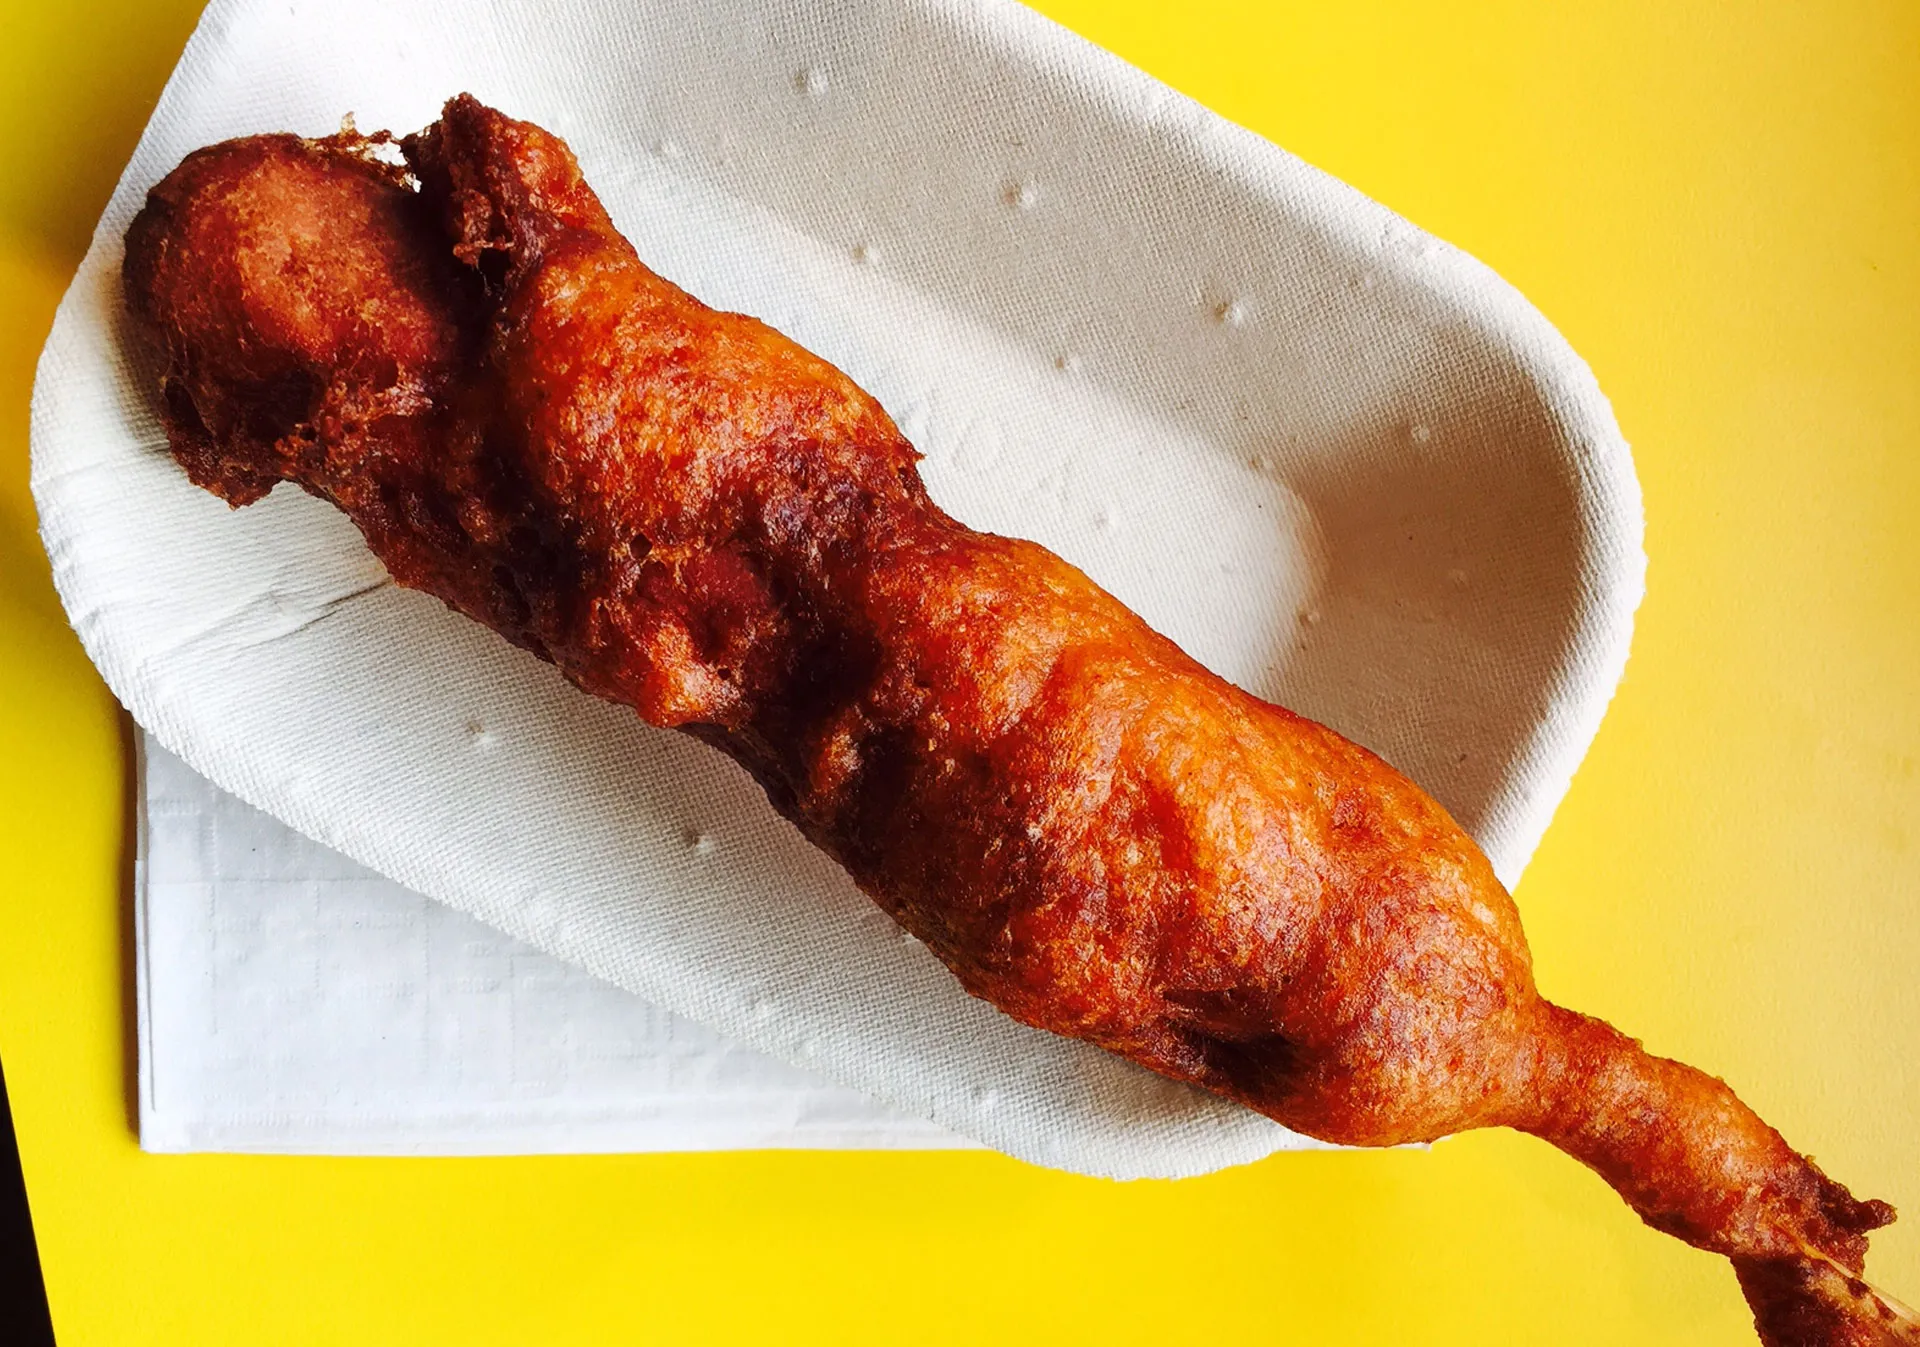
{"points": [[1337, 460], [293, 1001]]}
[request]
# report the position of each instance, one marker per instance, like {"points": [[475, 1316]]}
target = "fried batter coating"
{"points": [[689, 514]]}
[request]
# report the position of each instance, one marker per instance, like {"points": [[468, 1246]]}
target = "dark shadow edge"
{"points": [[23, 1289]]}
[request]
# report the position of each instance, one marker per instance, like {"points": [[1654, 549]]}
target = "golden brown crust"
{"points": [[691, 515]]}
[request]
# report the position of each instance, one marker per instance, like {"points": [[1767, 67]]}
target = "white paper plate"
{"points": [[1339, 461]]}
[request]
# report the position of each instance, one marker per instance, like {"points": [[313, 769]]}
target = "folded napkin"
{"points": [[1338, 461], [293, 1001]]}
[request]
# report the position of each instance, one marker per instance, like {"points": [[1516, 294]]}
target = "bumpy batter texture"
{"points": [[689, 514]]}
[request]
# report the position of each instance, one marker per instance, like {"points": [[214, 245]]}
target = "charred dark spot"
{"points": [[1253, 1068], [1226, 1036], [885, 804], [1850, 1213], [830, 672], [494, 263], [271, 408]]}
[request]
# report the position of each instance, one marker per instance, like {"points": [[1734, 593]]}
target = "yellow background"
{"points": [[1719, 204]]}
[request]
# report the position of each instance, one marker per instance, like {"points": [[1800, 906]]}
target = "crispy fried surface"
{"points": [[689, 514]]}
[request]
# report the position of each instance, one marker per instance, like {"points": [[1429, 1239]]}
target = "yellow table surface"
{"points": [[1719, 204]]}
